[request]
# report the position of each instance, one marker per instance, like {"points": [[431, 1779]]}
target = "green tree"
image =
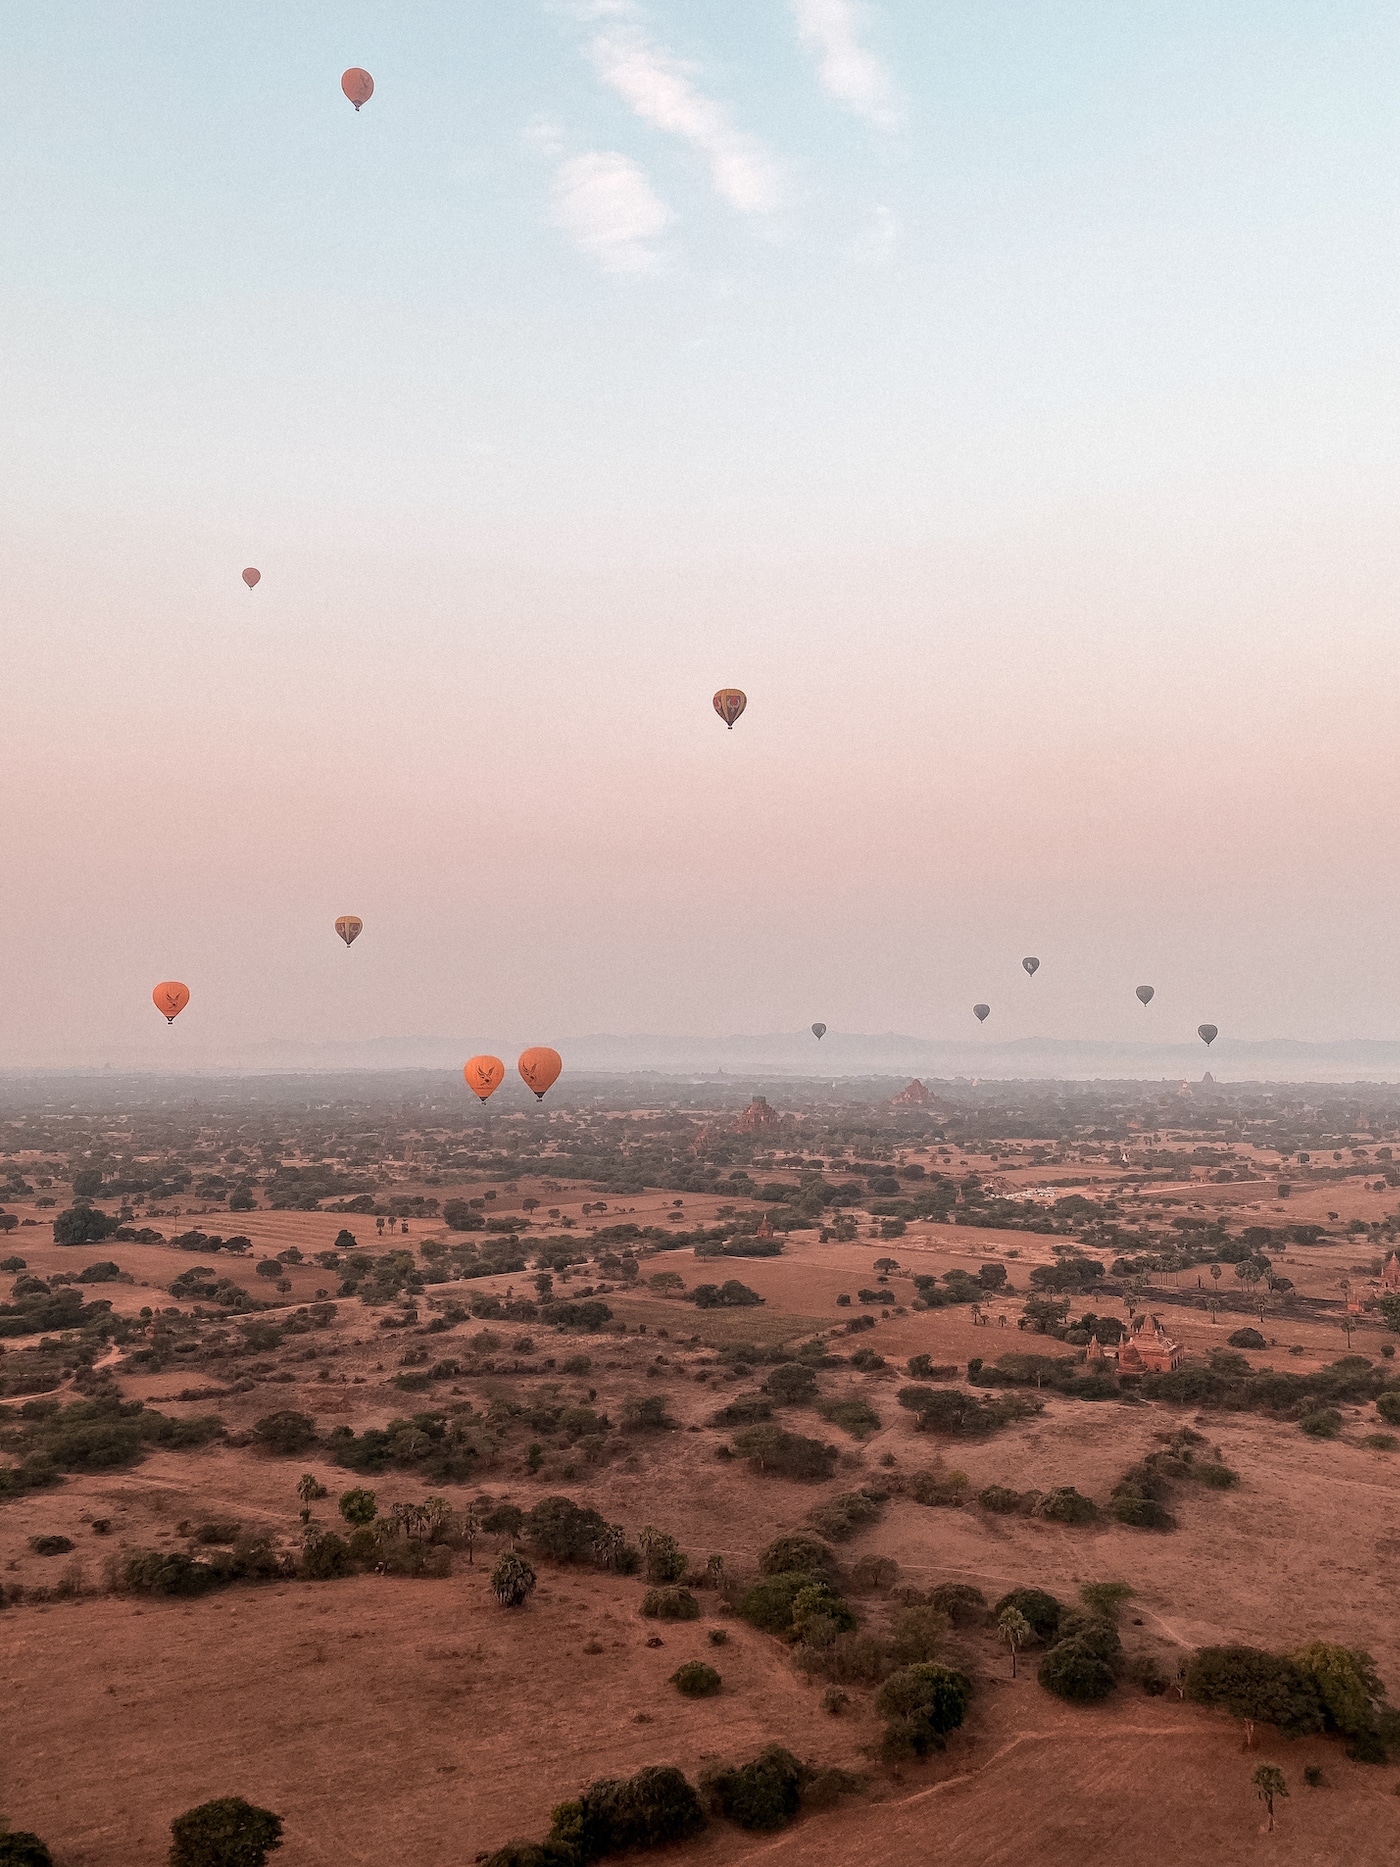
{"points": [[1268, 1782], [1256, 1688], [1347, 1683], [1015, 1630], [228, 1832], [357, 1506]]}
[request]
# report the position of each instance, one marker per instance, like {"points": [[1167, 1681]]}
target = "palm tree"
{"points": [[1268, 1782], [512, 1580], [1015, 1630], [308, 1487]]}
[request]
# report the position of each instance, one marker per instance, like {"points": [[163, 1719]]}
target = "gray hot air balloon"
{"points": [[1207, 1033], [819, 1031], [981, 1013], [1145, 993], [1031, 966]]}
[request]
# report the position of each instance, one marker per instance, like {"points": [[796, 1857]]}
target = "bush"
{"points": [[791, 1384], [1073, 1670], [1041, 1610], [768, 1605], [798, 1553], [325, 1557], [743, 1410], [285, 1433], [786, 1455], [228, 1832], [159, 1572], [855, 1417], [670, 1604], [218, 1530], [696, 1680], [512, 1580], [1388, 1406], [964, 1605], [50, 1545], [1325, 1423], [1246, 1338], [842, 1516], [922, 1704], [764, 1794], [20, 1848], [562, 1530], [1003, 1501], [654, 1808], [357, 1506], [1063, 1504]]}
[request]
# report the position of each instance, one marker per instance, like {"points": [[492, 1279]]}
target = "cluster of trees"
{"points": [[1315, 1688], [98, 1434], [227, 1832], [952, 1411]]}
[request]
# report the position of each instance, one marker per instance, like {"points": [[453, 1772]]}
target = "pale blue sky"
{"points": [[1003, 395]]}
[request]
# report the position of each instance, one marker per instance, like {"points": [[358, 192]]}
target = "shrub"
{"points": [[1246, 1338], [922, 1704], [764, 1794], [791, 1384], [855, 1417], [325, 1557], [1388, 1406], [871, 1574], [512, 1580], [768, 1605], [159, 1572], [964, 1605], [916, 1635], [743, 1410], [228, 1832], [1324, 1423], [1381, 1442], [786, 1455], [654, 1808], [1073, 1670], [562, 1530], [20, 1848], [789, 1555], [50, 1545], [285, 1433], [670, 1604], [662, 1556], [1041, 1610], [1003, 1501], [218, 1530], [842, 1516], [1063, 1504], [696, 1680]]}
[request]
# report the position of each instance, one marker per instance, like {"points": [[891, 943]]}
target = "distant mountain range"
{"points": [[838, 1055]]}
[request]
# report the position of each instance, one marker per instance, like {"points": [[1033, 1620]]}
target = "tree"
{"points": [[922, 1704], [1268, 1782], [82, 1225], [663, 1556], [544, 1286], [1346, 1682], [512, 1580], [470, 1526], [667, 1283], [357, 1506], [1256, 1688], [286, 1432], [228, 1832], [309, 1487], [1015, 1630]]}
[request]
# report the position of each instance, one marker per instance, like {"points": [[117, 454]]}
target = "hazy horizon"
{"points": [[1000, 396]]}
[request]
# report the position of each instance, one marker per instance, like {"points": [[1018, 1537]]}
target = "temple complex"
{"points": [[1148, 1349]]}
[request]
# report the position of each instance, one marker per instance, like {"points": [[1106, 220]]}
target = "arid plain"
{"points": [[411, 1716]]}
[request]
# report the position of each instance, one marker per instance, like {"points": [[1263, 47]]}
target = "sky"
{"points": [[1002, 395]]}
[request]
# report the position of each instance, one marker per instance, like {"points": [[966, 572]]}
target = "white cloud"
{"points": [[830, 31], [544, 136], [659, 88], [609, 209]]}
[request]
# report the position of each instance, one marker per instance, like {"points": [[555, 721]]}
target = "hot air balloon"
{"points": [[729, 703], [540, 1067], [981, 1013], [484, 1075], [1145, 993], [349, 927], [1207, 1033], [357, 85], [170, 999], [819, 1031], [252, 576], [1032, 966]]}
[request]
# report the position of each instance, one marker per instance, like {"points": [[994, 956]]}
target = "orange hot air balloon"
{"points": [[484, 1075], [349, 927], [252, 576], [540, 1069], [170, 999], [357, 85], [729, 703]]}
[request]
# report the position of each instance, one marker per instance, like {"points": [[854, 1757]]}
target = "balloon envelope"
{"points": [[170, 999], [484, 1075], [357, 85], [729, 703], [981, 1013], [540, 1067], [819, 1031], [349, 927], [1145, 993], [1032, 966], [1207, 1033], [251, 576]]}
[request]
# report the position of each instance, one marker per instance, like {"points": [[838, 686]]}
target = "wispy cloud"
{"points": [[875, 244], [848, 71], [661, 90], [605, 204]]}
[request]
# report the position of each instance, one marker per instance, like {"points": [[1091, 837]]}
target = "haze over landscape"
{"points": [[698, 724]]}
